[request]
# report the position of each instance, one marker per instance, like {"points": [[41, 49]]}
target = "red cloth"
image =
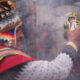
{"points": [[11, 61], [1, 47]]}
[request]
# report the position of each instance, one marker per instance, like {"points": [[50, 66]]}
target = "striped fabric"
{"points": [[8, 51], [11, 58]]}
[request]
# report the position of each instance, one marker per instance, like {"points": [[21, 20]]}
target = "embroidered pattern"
{"points": [[8, 51]]}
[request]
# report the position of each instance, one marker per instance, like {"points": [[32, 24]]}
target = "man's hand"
{"points": [[74, 36]]}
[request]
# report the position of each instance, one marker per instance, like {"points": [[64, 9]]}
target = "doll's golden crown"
{"points": [[72, 15]]}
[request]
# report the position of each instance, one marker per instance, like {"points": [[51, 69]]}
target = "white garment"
{"points": [[72, 25], [57, 69]]}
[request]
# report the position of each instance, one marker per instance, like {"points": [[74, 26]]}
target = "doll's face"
{"points": [[72, 19]]}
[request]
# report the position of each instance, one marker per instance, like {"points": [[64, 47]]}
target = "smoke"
{"points": [[54, 3]]}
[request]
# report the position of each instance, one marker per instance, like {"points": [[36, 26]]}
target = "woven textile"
{"points": [[11, 58]]}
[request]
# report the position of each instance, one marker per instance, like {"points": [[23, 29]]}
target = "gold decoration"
{"points": [[72, 15]]}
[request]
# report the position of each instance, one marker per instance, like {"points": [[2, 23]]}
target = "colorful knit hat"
{"points": [[9, 23]]}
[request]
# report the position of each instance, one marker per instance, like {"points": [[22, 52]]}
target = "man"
{"points": [[16, 65]]}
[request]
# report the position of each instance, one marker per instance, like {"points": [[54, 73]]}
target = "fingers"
{"points": [[78, 28], [74, 35]]}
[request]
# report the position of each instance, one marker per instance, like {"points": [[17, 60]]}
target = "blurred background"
{"points": [[43, 28], [43, 22]]}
